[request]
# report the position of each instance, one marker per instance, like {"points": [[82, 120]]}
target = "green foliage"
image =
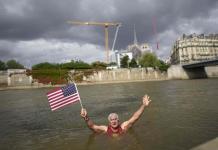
{"points": [[124, 62], [81, 65], [112, 64], [2, 65], [70, 65], [75, 65], [44, 65], [13, 64], [133, 63], [53, 76], [148, 60], [163, 66], [57, 73], [99, 65]]}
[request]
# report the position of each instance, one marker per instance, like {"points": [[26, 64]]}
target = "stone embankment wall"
{"points": [[212, 71], [126, 75], [18, 77], [19, 80], [3, 78], [15, 77]]}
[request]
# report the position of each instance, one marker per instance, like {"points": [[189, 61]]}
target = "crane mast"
{"points": [[155, 31], [106, 25]]}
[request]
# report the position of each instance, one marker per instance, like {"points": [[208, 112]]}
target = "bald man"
{"points": [[115, 128]]}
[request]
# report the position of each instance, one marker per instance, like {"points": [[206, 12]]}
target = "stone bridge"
{"points": [[203, 69]]}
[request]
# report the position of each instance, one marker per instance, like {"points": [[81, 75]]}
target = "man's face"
{"points": [[114, 122]]}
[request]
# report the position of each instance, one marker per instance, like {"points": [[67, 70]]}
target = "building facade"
{"points": [[134, 50], [121, 54], [145, 48], [194, 48], [138, 49]]}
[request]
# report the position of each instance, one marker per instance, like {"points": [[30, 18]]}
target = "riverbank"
{"points": [[82, 83]]}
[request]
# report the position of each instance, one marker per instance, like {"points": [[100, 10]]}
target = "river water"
{"points": [[182, 115]]}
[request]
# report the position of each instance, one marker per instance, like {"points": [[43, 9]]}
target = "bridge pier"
{"points": [[179, 72], [212, 71]]}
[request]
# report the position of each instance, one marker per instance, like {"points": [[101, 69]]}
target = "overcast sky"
{"points": [[34, 31]]}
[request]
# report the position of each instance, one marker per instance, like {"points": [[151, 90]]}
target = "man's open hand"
{"points": [[146, 100]]}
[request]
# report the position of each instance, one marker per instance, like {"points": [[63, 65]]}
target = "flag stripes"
{"points": [[61, 97]]}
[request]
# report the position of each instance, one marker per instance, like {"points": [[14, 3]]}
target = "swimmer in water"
{"points": [[115, 128]]}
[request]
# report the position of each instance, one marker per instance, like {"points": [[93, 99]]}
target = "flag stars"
{"points": [[68, 90]]}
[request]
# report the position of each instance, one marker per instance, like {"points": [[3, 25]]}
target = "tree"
{"points": [[76, 65], [148, 60], [112, 64], [45, 65], [13, 64], [81, 65], [133, 63], [2, 65], [99, 65], [125, 62], [163, 66]]}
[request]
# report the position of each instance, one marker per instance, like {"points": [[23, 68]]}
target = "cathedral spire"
{"points": [[135, 38]]}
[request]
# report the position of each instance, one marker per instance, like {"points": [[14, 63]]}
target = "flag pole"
{"points": [[79, 96]]}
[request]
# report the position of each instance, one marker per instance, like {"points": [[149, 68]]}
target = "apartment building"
{"points": [[194, 48]]}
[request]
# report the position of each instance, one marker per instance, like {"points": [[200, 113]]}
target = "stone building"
{"points": [[138, 49], [133, 50], [194, 48], [121, 54]]}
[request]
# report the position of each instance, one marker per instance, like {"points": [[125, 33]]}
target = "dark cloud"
{"points": [[5, 50], [30, 20]]}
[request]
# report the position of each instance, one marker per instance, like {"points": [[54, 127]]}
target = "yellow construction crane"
{"points": [[103, 24]]}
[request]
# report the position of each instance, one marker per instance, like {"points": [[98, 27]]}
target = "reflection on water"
{"points": [[182, 115]]}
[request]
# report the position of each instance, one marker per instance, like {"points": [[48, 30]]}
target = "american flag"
{"points": [[60, 97]]}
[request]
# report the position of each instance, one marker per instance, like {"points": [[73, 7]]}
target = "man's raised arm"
{"points": [[90, 124], [127, 124]]}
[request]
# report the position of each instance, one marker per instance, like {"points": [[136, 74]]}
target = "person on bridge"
{"points": [[115, 128]]}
